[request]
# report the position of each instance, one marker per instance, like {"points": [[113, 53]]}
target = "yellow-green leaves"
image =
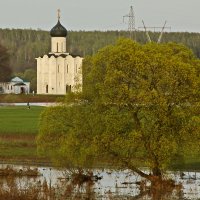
{"points": [[157, 85]]}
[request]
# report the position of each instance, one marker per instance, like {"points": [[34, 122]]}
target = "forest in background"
{"points": [[25, 45]]}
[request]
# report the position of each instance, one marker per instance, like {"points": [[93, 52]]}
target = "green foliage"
{"points": [[158, 86], [5, 71], [29, 75], [140, 104], [60, 137]]}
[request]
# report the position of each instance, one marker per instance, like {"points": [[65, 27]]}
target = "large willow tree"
{"points": [[139, 107]]}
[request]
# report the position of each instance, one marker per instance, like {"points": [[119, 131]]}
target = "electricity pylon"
{"points": [[131, 23], [161, 33]]}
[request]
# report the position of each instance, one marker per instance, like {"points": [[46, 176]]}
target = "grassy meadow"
{"points": [[19, 120], [18, 129]]}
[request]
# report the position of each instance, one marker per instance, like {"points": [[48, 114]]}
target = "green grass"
{"points": [[18, 129], [19, 120]]}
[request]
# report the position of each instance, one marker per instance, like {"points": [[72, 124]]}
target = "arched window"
{"points": [[66, 88], [47, 88], [57, 46]]}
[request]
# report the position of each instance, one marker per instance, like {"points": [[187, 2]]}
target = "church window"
{"points": [[66, 88], [11, 87], [8, 87], [46, 88], [62, 47]]}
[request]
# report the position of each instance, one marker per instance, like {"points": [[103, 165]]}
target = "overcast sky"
{"points": [[181, 15]]}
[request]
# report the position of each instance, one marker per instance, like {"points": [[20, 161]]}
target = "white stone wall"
{"points": [[59, 75]]}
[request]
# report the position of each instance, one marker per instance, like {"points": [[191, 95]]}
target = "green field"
{"points": [[19, 120], [18, 128]]}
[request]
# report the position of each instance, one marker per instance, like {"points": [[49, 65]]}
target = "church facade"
{"points": [[58, 72]]}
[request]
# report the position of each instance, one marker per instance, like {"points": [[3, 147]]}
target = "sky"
{"points": [[181, 15]]}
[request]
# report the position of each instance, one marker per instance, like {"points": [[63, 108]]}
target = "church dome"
{"points": [[58, 30]]}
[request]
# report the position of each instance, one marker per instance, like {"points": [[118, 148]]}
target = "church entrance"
{"points": [[22, 90], [68, 88]]}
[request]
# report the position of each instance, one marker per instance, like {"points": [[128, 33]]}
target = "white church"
{"points": [[58, 72]]}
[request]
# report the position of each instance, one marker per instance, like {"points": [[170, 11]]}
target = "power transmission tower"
{"points": [[154, 28], [131, 23]]}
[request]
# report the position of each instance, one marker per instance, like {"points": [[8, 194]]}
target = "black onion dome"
{"points": [[58, 30]]}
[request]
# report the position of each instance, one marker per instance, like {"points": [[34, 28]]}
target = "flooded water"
{"points": [[113, 185]]}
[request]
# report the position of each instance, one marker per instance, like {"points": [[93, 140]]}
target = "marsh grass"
{"points": [[11, 189]]}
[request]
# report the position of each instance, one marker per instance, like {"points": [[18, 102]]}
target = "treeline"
{"points": [[25, 45]]}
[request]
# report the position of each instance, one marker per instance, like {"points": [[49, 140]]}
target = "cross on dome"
{"points": [[58, 14]]}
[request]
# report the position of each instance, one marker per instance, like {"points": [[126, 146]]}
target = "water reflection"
{"points": [[54, 184]]}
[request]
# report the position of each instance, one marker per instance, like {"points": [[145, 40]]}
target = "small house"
{"points": [[15, 86]]}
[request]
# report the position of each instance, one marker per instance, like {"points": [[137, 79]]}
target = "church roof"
{"points": [[60, 55], [58, 30], [16, 79], [18, 84]]}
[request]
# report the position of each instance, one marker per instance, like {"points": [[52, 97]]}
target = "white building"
{"points": [[15, 86], [58, 72]]}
